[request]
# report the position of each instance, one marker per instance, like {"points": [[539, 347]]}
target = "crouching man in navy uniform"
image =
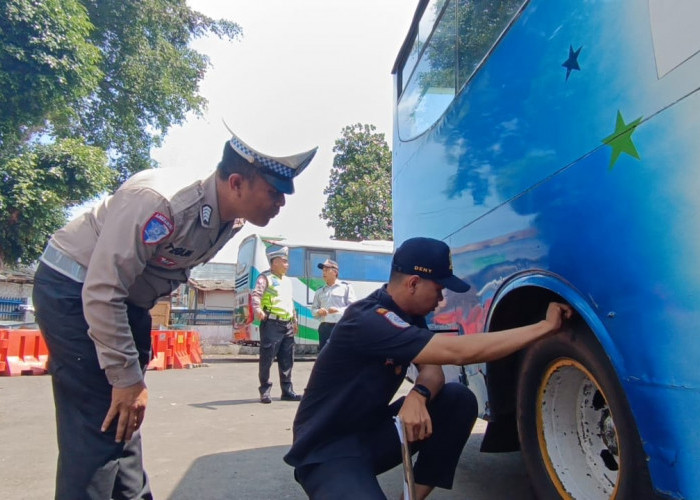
{"points": [[344, 434], [96, 282]]}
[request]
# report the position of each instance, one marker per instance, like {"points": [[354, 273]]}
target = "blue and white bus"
{"points": [[555, 146], [363, 264]]}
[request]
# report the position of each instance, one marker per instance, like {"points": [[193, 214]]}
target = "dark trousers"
{"points": [[324, 333], [453, 413], [276, 340], [90, 464]]}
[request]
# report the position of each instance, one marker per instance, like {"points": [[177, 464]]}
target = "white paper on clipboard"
{"points": [[409, 487]]}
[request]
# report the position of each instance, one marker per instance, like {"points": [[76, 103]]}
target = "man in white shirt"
{"points": [[330, 301]]}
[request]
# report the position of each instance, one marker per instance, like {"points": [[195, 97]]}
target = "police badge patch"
{"points": [[157, 229], [393, 318]]}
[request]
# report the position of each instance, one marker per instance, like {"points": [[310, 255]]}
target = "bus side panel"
{"points": [[252, 261], [308, 325], [531, 169]]}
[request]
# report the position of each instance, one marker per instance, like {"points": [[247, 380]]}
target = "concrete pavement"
{"points": [[207, 437]]}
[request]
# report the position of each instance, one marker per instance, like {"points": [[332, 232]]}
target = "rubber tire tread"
{"points": [[579, 345]]}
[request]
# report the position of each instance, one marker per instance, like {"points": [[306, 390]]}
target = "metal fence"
{"points": [[200, 317], [11, 308]]}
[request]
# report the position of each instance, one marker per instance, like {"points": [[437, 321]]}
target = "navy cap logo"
{"points": [[430, 259]]}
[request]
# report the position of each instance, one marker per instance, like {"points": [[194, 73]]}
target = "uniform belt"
{"points": [[278, 318], [67, 266]]}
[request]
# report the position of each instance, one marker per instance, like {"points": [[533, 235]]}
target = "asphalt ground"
{"points": [[206, 436]]}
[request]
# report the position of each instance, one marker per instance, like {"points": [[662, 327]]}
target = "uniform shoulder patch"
{"points": [[157, 229], [205, 214], [392, 318]]}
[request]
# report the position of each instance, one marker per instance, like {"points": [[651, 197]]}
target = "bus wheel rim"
{"points": [[576, 433]]}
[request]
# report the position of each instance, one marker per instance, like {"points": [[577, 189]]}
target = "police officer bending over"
{"points": [[344, 433], [273, 304], [96, 282]]}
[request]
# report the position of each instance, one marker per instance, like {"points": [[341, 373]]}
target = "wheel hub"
{"points": [[577, 433]]}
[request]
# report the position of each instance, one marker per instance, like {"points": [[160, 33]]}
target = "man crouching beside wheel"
{"points": [[344, 434]]}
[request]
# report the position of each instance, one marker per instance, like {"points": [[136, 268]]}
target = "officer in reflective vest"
{"points": [[274, 307]]}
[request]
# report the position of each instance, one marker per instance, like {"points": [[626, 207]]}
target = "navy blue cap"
{"points": [[328, 263], [430, 259]]}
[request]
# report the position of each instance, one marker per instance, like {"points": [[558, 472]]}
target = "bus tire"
{"points": [[577, 434]]}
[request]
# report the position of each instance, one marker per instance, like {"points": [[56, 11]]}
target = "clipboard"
{"points": [[409, 486]]}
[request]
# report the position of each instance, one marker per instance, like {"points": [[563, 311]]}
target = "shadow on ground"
{"points": [[260, 473], [250, 474]]}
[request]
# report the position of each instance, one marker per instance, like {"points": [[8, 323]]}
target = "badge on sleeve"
{"points": [[205, 214], [157, 229], [392, 318]]}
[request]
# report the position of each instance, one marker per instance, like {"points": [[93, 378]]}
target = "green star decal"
{"points": [[621, 140]]}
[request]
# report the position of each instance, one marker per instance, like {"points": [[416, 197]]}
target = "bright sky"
{"points": [[302, 71]]}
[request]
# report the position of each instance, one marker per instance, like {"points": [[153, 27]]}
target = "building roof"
{"points": [[207, 285], [20, 277]]}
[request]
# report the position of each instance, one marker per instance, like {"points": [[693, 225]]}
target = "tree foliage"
{"points": [[36, 188], [102, 80], [358, 206]]}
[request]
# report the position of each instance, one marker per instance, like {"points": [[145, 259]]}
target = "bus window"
{"points": [[246, 253], [363, 266], [317, 257], [296, 262], [424, 27], [480, 24], [431, 87], [464, 34]]}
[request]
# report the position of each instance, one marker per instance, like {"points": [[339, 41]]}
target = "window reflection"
{"points": [[465, 32]]}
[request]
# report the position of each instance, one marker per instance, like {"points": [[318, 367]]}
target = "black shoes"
{"points": [[291, 396], [286, 396]]}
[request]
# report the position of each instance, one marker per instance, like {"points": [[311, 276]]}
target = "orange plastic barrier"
{"points": [[194, 347], [3, 349], [162, 355], [175, 349], [181, 359], [23, 352]]}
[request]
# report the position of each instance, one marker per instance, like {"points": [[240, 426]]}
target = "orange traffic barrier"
{"points": [[161, 353], [181, 359], [3, 349], [23, 352], [194, 347], [175, 349]]}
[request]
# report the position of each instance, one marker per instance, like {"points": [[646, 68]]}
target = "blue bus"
{"points": [[364, 265], [555, 146]]}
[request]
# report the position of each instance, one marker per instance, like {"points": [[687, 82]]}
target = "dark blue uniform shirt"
{"points": [[355, 378]]}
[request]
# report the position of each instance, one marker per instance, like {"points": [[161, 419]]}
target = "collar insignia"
{"points": [[206, 214]]}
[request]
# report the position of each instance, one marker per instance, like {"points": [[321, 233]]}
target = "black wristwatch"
{"points": [[423, 391]]}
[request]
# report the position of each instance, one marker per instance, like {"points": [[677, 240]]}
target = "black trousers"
{"points": [[276, 340], [453, 413], [90, 464], [324, 333]]}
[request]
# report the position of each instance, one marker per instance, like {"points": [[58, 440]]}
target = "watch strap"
{"points": [[423, 391]]}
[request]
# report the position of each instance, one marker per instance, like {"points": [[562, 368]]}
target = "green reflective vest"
{"points": [[278, 298]]}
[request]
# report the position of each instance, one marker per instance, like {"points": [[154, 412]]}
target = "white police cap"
{"points": [[274, 252], [277, 170]]}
